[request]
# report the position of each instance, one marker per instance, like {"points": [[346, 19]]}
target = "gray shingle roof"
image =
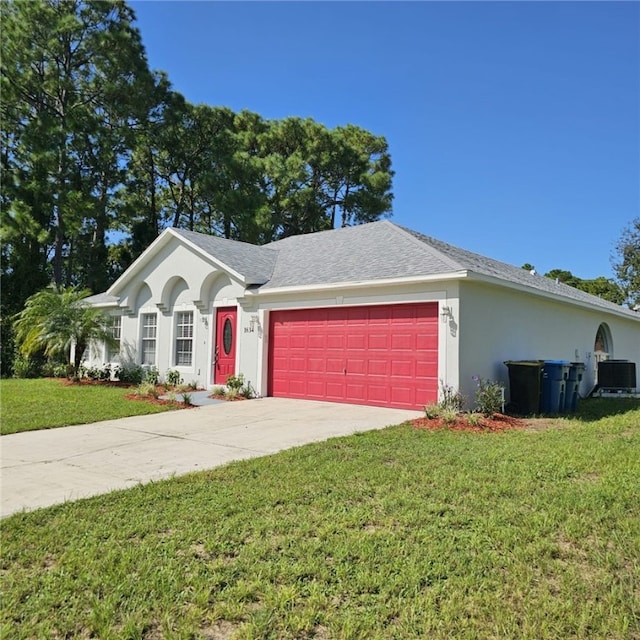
{"points": [[477, 263], [254, 263], [384, 250], [375, 251]]}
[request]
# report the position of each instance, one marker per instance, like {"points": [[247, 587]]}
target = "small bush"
{"points": [[25, 367], [186, 398], [236, 382], [231, 394], [248, 391], [102, 373], [448, 415], [173, 377], [489, 396], [450, 398], [432, 411], [146, 390], [474, 419], [132, 374], [218, 391], [193, 385], [152, 375]]}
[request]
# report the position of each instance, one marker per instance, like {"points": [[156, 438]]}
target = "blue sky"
{"points": [[513, 127]]}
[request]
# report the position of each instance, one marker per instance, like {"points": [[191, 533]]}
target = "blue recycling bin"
{"points": [[574, 377], [554, 377]]}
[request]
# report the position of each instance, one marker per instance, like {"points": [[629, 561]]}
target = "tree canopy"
{"points": [[602, 287], [626, 263], [99, 154]]}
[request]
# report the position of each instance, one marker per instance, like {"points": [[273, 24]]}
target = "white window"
{"points": [[184, 338], [113, 352], [149, 331]]}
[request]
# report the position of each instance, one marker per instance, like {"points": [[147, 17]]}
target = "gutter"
{"points": [[354, 284]]}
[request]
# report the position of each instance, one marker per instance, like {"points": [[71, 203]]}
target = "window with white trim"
{"points": [[184, 338], [113, 351], [149, 332]]}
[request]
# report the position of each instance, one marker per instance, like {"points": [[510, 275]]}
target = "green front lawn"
{"points": [[398, 533], [26, 405]]}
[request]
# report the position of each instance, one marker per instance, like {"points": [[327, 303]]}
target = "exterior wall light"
{"points": [[445, 314]]}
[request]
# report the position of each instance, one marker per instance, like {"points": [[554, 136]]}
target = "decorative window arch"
{"points": [[603, 344]]}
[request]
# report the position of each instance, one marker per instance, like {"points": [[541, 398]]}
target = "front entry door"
{"points": [[224, 357]]}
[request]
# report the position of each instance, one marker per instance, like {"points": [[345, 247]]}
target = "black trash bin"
{"points": [[576, 371], [554, 376], [525, 386]]}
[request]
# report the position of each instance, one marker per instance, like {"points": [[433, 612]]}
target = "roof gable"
{"points": [[247, 263]]}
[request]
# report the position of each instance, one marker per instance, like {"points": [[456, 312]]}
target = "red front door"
{"points": [[224, 356]]}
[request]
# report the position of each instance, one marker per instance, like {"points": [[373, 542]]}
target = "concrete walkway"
{"points": [[41, 468]]}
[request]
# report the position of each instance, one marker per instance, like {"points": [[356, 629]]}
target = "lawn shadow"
{"points": [[592, 409]]}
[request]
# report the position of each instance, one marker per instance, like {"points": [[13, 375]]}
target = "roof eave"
{"points": [[111, 304], [355, 284]]}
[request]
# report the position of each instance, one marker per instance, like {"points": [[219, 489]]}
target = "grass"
{"points": [[27, 405], [399, 533]]}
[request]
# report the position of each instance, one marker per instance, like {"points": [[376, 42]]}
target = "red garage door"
{"points": [[379, 355]]}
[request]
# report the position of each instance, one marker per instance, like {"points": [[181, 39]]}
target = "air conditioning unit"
{"points": [[618, 375]]}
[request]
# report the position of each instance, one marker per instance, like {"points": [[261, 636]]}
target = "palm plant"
{"points": [[54, 320]]}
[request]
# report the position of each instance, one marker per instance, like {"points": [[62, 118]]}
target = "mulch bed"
{"points": [[160, 401], [494, 424], [219, 396]]}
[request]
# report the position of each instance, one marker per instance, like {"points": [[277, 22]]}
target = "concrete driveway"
{"points": [[41, 468]]}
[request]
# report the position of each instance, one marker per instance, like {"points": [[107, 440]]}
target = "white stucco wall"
{"points": [[498, 324], [173, 279]]}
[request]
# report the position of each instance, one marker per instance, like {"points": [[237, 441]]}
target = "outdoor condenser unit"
{"points": [[617, 374]]}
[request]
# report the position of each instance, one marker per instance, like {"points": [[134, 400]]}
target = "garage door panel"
{"points": [[356, 366], [316, 341], [378, 367], [379, 341], [426, 370], [335, 341], [424, 341], [382, 354]]}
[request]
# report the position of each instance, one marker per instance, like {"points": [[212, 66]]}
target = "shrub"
{"points": [[173, 377], [236, 382], [186, 398], [132, 374], [218, 391], [432, 411], [102, 373], [62, 371], [248, 391], [25, 367], [146, 390], [152, 375], [489, 396], [449, 415], [474, 419], [450, 398]]}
